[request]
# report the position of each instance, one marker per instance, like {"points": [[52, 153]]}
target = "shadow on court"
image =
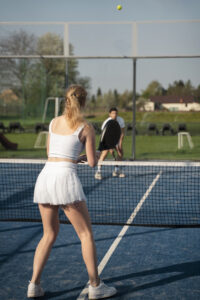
{"points": [[6, 257], [185, 270], [65, 245], [20, 228], [53, 295], [149, 263]]}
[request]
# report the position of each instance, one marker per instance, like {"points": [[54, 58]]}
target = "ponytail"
{"points": [[75, 101]]}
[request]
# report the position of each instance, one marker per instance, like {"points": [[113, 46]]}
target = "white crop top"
{"points": [[65, 146]]}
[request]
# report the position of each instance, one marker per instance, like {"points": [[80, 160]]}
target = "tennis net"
{"points": [[150, 194]]}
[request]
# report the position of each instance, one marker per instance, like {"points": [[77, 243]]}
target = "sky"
{"points": [[152, 39]]}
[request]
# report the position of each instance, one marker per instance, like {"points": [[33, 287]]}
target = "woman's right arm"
{"points": [[48, 139], [90, 146]]}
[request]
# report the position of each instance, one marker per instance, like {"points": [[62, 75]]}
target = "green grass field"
{"points": [[147, 147], [156, 116]]}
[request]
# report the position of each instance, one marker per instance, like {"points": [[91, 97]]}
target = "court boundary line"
{"points": [[144, 163], [117, 240]]}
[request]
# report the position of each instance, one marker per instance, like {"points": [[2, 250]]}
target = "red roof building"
{"points": [[173, 103]]}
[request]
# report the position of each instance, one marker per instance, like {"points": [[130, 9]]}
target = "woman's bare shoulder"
{"points": [[59, 119], [88, 129], [88, 126], [55, 119]]}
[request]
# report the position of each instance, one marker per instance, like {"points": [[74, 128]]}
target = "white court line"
{"points": [[114, 245]]}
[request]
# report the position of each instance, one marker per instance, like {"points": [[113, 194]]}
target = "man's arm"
{"points": [[122, 125], [121, 137]]}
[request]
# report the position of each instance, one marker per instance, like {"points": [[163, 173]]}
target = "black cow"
{"points": [[40, 127], [153, 127], [13, 126], [167, 127]]}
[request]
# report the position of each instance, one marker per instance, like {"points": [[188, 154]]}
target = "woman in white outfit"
{"points": [[59, 186]]}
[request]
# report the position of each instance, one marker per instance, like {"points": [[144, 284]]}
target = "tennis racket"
{"points": [[109, 139], [110, 136]]}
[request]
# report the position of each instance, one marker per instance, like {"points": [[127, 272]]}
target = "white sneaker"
{"points": [[34, 290], [98, 175], [115, 174], [122, 175], [118, 174], [101, 291]]}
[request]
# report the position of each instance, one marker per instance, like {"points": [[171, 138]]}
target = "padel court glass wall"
{"points": [[116, 62]]}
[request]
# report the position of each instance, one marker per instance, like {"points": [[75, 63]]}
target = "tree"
{"points": [[126, 100], [197, 93], [91, 104], [116, 96], [108, 100], [179, 88], [52, 44], [99, 93], [9, 103], [153, 89], [34, 80], [140, 103], [14, 72]]}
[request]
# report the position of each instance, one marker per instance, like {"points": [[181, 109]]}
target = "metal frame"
{"points": [[134, 55], [134, 39], [181, 139], [38, 142], [57, 106], [97, 57]]}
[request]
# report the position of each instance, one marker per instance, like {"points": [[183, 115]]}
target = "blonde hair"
{"points": [[75, 101]]}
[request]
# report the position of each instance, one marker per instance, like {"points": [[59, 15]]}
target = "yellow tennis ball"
{"points": [[119, 7]]}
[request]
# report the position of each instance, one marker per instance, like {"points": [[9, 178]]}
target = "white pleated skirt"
{"points": [[58, 184]]}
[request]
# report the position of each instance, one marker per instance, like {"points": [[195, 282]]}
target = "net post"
{"points": [[45, 110], [66, 74], [66, 53], [133, 107], [134, 38], [56, 107]]}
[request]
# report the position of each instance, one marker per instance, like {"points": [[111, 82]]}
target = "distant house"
{"points": [[9, 103], [172, 103], [8, 96]]}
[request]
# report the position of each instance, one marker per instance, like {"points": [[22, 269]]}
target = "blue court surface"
{"points": [[143, 262], [148, 263]]}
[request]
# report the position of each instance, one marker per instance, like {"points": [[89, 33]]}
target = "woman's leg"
{"points": [[50, 221], [79, 217]]}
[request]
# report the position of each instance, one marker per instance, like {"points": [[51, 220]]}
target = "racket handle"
{"points": [[82, 158]]}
